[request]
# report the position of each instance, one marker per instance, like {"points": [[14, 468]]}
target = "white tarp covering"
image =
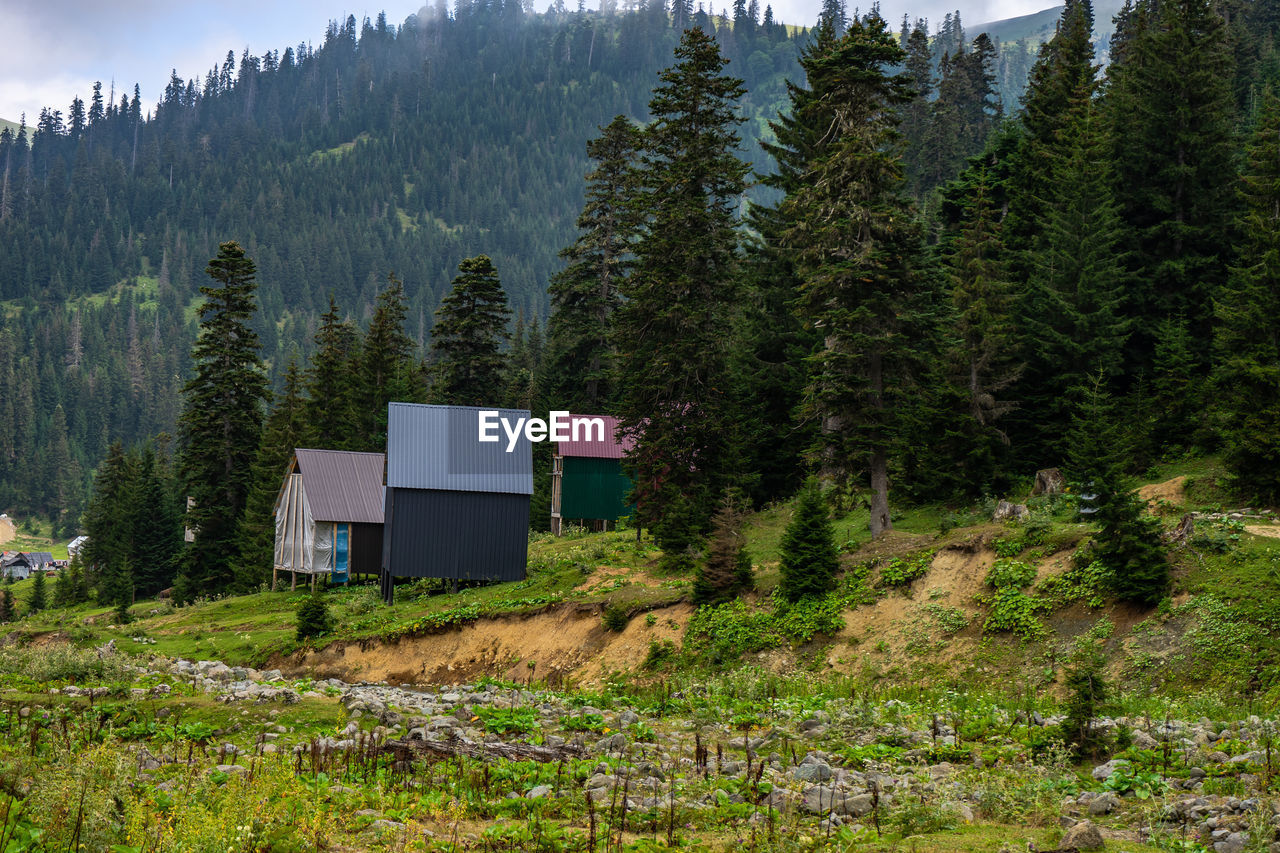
{"points": [[295, 529]]}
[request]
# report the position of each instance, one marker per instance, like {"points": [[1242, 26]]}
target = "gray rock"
{"points": [[1103, 804], [539, 792], [817, 772], [1103, 771], [628, 718], [1083, 836], [385, 825]]}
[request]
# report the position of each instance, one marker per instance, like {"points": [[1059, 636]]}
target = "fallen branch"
{"points": [[406, 750]]}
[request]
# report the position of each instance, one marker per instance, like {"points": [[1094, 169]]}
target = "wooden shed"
{"points": [[587, 481], [329, 515], [22, 564], [456, 507]]}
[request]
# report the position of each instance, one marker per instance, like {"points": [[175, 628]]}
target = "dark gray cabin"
{"points": [[456, 507]]}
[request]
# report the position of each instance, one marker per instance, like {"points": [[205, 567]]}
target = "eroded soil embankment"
{"points": [[560, 644]]}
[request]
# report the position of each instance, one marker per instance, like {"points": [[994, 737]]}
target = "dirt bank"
{"points": [[565, 644]]}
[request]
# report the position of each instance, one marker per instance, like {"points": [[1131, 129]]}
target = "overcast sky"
{"points": [[55, 49]]}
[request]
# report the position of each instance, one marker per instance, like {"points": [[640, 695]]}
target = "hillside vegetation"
{"points": [[899, 707]]}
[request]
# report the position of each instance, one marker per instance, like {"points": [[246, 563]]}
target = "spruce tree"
{"points": [[221, 419], [670, 333], [387, 370], [585, 293], [808, 559], [468, 337], [8, 613], [108, 516], [1073, 310], [1128, 540], [1087, 693], [156, 527], [1172, 118], [64, 589], [283, 432], [37, 601], [725, 571], [116, 590], [853, 238], [313, 614], [329, 404], [1247, 340]]}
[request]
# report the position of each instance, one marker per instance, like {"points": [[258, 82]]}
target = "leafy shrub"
{"points": [[1128, 780], [900, 572], [809, 617], [506, 721], [1014, 611], [728, 631], [1008, 573], [660, 652], [313, 616], [615, 618], [583, 723], [1087, 584], [951, 619]]}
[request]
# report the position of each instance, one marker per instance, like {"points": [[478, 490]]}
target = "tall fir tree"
{"points": [[469, 336], [109, 515], [284, 431], [388, 369], [156, 527], [1073, 311], [1172, 127], [1128, 541], [585, 293], [853, 238], [670, 332], [1247, 340], [8, 610], [221, 420], [329, 405]]}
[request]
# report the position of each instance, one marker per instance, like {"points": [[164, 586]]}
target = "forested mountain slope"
{"points": [[384, 149]]}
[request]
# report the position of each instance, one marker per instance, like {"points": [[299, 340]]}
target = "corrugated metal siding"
{"points": [[343, 486], [594, 488], [610, 448], [432, 533], [438, 447]]}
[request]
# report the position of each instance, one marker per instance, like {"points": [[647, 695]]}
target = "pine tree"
{"points": [[221, 420], [37, 601], [156, 527], [1087, 693], [1061, 86], [388, 369], [282, 433], [1128, 541], [116, 589], [1247, 341], [808, 557], [725, 571], [670, 333], [584, 295], [329, 405], [1073, 311], [468, 337], [1172, 122], [853, 236], [108, 517]]}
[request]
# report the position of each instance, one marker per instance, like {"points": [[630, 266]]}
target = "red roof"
{"points": [[589, 440]]}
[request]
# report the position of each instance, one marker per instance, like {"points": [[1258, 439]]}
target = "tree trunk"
{"points": [[880, 523]]}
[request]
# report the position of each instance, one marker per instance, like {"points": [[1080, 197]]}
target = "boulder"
{"points": [[1006, 511], [1083, 836], [1049, 481]]}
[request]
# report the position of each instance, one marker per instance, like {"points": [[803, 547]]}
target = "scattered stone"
{"points": [[1083, 836]]}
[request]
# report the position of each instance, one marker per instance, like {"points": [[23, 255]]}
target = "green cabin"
{"points": [[588, 485]]}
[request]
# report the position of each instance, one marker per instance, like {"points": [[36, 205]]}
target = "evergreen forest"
{"points": [[770, 250]]}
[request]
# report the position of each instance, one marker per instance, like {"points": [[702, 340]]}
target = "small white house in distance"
{"points": [[74, 546]]}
